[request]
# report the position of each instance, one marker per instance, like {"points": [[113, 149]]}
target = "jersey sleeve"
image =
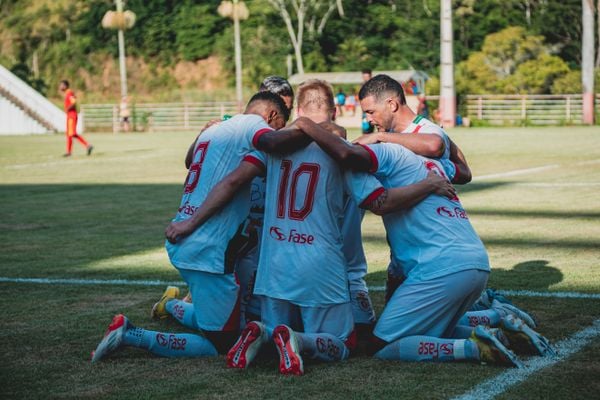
{"points": [[256, 128], [385, 157], [363, 187], [257, 158]]}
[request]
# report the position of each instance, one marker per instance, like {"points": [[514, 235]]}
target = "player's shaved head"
{"points": [[270, 106], [315, 95], [382, 87]]}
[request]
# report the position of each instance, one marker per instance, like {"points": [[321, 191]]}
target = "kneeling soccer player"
{"points": [[205, 258]]}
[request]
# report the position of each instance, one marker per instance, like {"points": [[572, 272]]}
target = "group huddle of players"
{"points": [[267, 238]]}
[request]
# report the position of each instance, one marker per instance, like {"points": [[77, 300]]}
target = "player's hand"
{"points": [[334, 128], [178, 230], [210, 123], [441, 186], [368, 138]]}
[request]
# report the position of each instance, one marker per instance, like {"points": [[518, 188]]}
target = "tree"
{"points": [[510, 61], [305, 13]]}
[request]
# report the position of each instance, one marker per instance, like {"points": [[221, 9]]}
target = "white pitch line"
{"points": [[527, 293], [517, 172], [559, 295], [128, 282], [557, 184], [499, 384]]}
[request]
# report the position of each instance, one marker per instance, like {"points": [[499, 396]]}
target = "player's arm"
{"points": [[429, 145], [218, 198], [347, 155], [285, 140], [406, 197], [463, 172]]}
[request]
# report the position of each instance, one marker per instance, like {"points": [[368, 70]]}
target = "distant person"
{"points": [[366, 126], [340, 98], [71, 110], [351, 103], [125, 113]]}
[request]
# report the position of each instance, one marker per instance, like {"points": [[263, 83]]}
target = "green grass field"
{"points": [[103, 217]]}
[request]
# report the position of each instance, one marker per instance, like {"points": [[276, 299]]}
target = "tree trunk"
{"points": [[587, 61]]}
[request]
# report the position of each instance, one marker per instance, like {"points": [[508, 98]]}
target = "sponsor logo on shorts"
{"points": [[292, 237], [457, 212]]}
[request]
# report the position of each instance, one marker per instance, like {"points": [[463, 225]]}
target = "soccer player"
{"points": [[397, 123], [302, 270], [71, 110], [247, 260], [205, 259], [444, 261]]}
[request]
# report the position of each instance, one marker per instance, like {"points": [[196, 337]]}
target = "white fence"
{"points": [[156, 117], [527, 109], [492, 109]]}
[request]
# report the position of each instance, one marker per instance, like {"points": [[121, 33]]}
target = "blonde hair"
{"points": [[316, 95]]}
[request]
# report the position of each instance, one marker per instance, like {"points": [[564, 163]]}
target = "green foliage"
{"points": [[510, 61], [377, 34], [568, 83], [536, 76], [196, 26]]}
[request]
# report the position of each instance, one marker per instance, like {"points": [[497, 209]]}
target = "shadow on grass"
{"points": [[528, 275], [51, 230]]}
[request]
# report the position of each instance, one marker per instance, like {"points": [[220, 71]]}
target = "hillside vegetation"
{"points": [[183, 50]]}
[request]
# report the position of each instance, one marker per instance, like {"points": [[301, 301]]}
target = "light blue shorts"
{"points": [[334, 319], [430, 308], [215, 298]]}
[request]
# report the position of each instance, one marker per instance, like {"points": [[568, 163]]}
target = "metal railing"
{"points": [[156, 116], [526, 109], [32, 102]]}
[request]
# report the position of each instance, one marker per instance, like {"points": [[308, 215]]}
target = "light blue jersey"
{"points": [[301, 258], [435, 237], [423, 125], [217, 152]]}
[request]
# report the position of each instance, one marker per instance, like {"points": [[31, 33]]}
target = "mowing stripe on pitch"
{"points": [[127, 282], [566, 348], [59, 281]]}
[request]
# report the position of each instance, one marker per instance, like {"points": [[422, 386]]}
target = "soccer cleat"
{"points": [[525, 340], [290, 360], [113, 338], [492, 348], [247, 346], [89, 149], [487, 297], [159, 310], [507, 309], [67, 155]]}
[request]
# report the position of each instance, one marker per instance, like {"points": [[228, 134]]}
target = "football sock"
{"points": [[427, 348], [81, 140], [362, 308], [462, 332], [69, 144], [488, 317], [322, 346], [169, 344], [182, 312]]}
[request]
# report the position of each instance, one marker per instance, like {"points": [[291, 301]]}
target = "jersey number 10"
{"points": [[310, 169]]}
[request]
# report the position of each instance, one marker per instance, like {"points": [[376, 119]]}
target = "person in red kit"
{"points": [[71, 110]]}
